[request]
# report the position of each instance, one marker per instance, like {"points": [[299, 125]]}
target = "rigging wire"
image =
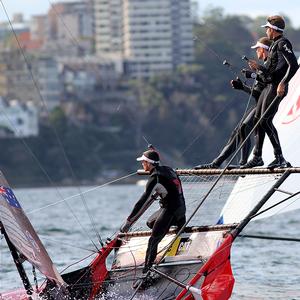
{"points": [[54, 131], [197, 38], [73, 39], [211, 121], [45, 173], [84, 192], [230, 67], [67, 244], [77, 262], [278, 203], [215, 182], [269, 237]]}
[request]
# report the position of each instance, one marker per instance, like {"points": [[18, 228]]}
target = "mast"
{"points": [[18, 263]]}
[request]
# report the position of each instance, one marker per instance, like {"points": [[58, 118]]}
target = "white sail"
{"points": [[250, 189]]}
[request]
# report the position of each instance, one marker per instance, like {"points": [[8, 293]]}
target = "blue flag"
{"points": [[9, 196]]}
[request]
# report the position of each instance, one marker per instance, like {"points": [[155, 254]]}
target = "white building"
{"points": [[108, 22], [18, 119], [152, 36], [82, 76]]}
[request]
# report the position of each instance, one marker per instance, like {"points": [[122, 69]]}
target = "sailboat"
{"points": [[192, 262]]}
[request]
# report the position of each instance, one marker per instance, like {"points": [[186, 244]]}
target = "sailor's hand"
{"points": [[253, 64], [125, 227], [280, 89], [248, 73], [237, 84]]}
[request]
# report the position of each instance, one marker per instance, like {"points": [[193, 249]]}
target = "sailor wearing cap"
{"points": [[280, 67], [164, 184], [244, 127]]}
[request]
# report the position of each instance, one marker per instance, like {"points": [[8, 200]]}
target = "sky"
{"points": [[251, 8]]}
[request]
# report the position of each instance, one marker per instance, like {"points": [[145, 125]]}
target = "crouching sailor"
{"points": [[163, 183]]}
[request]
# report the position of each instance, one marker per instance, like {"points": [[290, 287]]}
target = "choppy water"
{"points": [[263, 269]]}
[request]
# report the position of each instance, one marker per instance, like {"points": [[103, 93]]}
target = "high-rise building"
{"points": [[108, 22], [152, 36], [70, 28], [38, 27]]}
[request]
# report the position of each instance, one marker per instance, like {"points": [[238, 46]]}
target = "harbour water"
{"points": [[67, 225]]}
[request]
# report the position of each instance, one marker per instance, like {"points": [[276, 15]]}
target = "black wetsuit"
{"points": [[164, 182], [242, 130], [281, 66]]}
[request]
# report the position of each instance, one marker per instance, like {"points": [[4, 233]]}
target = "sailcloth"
{"points": [[215, 277], [250, 189], [22, 235]]}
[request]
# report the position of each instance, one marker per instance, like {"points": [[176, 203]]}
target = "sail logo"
{"points": [[292, 108], [9, 196]]}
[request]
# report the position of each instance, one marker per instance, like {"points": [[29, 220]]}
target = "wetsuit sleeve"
{"points": [[145, 200], [252, 91], [263, 75], [285, 48]]}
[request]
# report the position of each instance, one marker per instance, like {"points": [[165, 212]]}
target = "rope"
{"points": [[85, 192], [67, 244], [198, 39], [274, 238], [276, 204], [211, 121]]}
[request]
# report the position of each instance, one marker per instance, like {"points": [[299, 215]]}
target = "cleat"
{"points": [[256, 161], [211, 165], [279, 162]]}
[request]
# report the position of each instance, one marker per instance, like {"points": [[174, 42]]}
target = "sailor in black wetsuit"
{"points": [[163, 183], [280, 67], [242, 130]]}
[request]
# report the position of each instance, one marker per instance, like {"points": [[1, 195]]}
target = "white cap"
{"points": [[272, 26], [150, 156], [260, 45]]}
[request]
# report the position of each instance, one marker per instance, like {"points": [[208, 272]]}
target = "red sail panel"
{"points": [[98, 268], [218, 278], [22, 235]]}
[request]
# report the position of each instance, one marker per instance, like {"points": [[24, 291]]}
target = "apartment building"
{"points": [[70, 28], [152, 36], [108, 23]]}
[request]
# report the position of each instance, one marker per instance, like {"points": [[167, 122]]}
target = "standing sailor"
{"points": [[280, 67], [165, 184], [242, 130]]}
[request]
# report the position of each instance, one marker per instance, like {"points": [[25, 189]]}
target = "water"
{"points": [[263, 269]]}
